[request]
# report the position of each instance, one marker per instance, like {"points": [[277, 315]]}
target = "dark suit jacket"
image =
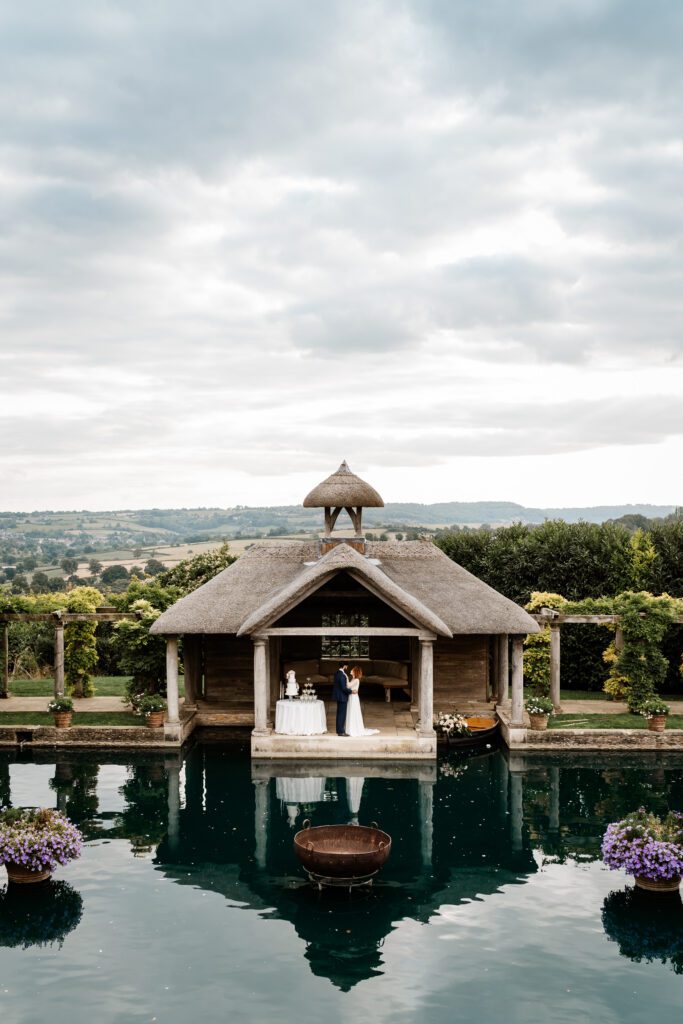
{"points": [[340, 687]]}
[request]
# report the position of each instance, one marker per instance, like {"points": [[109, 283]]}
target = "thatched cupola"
{"points": [[343, 490]]}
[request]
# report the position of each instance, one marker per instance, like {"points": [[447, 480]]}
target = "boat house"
{"points": [[428, 635]]}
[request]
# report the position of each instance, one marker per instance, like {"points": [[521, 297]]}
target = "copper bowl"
{"points": [[342, 851]]}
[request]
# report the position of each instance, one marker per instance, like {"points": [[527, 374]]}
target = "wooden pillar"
{"points": [[192, 663], [260, 686], [517, 714], [426, 687], [555, 665], [4, 679], [59, 660], [172, 709], [502, 696]]}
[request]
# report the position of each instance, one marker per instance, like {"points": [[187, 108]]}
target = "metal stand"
{"points": [[326, 882]]}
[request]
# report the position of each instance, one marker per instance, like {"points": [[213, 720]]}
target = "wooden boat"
{"points": [[483, 729], [342, 851]]}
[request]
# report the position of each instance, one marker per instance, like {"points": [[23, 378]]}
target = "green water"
{"points": [[188, 903]]}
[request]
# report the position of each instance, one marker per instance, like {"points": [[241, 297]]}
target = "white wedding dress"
{"points": [[354, 718]]}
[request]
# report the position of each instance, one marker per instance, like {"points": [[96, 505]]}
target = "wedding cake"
{"points": [[292, 687]]}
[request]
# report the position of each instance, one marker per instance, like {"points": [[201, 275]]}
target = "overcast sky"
{"points": [[241, 241]]}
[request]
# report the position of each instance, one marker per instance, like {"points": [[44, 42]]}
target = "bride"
{"points": [[354, 715]]}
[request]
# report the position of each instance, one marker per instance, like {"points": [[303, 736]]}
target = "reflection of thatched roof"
{"points": [[341, 490], [414, 575]]}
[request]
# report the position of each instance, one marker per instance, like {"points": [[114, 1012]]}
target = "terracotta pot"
{"points": [[62, 719], [17, 874], [657, 723], [538, 722], [155, 719], [662, 885]]}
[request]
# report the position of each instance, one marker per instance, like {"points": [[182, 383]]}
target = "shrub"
{"points": [[539, 706], [60, 705], [654, 707]]}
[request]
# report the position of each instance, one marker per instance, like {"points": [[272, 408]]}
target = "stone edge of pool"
{"points": [[586, 739]]}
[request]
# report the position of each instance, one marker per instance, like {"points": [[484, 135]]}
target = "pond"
{"points": [[188, 902]]}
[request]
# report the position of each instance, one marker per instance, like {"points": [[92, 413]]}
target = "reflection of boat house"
{"points": [[426, 632]]}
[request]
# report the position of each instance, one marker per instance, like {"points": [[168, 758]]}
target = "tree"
{"points": [[95, 567], [69, 565], [113, 573], [140, 654], [80, 645], [40, 582], [153, 567], [193, 572]]}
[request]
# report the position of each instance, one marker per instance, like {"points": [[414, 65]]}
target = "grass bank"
{"points": [[121, 718], [617, 721], [105, 686]]}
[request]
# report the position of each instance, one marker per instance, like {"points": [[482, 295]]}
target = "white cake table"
{"points": [[300, 717]]}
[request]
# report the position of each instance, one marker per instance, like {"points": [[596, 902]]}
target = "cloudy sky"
{"points": [[240, 241]]}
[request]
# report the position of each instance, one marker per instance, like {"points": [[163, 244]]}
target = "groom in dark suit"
{"points": [[340, 693]]}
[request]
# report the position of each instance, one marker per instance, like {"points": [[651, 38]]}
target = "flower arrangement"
{"points": [[452, 724], [38, 840], [60, 705], [646, 846], [539, 706], [148, 703], [453, 771], [654, 707]]}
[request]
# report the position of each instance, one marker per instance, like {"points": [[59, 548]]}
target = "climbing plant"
{"points": [[537, 645], [643, 620], [80, 645]]}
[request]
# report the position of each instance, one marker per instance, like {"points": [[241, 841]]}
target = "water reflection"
{"points": [[646, 927], [462, 831], [38, 915]]}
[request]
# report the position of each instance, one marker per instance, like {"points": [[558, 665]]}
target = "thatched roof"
{"points": [[343, 489], [416, 577]]}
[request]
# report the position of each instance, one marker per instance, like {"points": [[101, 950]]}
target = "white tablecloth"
{"points": [[300, 717]]}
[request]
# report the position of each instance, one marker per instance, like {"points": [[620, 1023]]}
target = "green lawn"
{"points": [[105, 686], [623, 721], [80, 718]]}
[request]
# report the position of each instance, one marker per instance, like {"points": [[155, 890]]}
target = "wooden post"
{"points": [[4, 682], [517, 714], [503, 670], [260, 686], [426, 687], [555, 666], [59, 660], [192, 662], [172, 709]]}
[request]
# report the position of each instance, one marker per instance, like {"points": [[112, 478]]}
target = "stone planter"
{"points": [[538, 722], [155, 719], [62, 719], [657, 723], [17, 874], [662, 885]]}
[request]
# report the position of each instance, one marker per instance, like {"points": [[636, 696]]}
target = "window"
{"points": [[345, 646]]}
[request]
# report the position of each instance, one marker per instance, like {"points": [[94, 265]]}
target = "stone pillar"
{"points": [[555, 665], [173, 830], [4, 680], [260, 686], [426, 687], [426, 804], [59, 660], [415, 675], [516, 809], [502, 696], [618, 640], [517, 714], [172, 709], [261, 821]]}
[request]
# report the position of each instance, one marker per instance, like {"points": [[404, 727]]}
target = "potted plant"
{"points": [[152, 707], [539, 710], [34, 841], [451, 724], [655, 710], [62, 708], [648, 847]]}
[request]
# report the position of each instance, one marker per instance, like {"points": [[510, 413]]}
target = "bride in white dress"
{"points": [[354, 715]]}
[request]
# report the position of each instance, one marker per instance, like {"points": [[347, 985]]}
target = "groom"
{"points": [[340, 693]]}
